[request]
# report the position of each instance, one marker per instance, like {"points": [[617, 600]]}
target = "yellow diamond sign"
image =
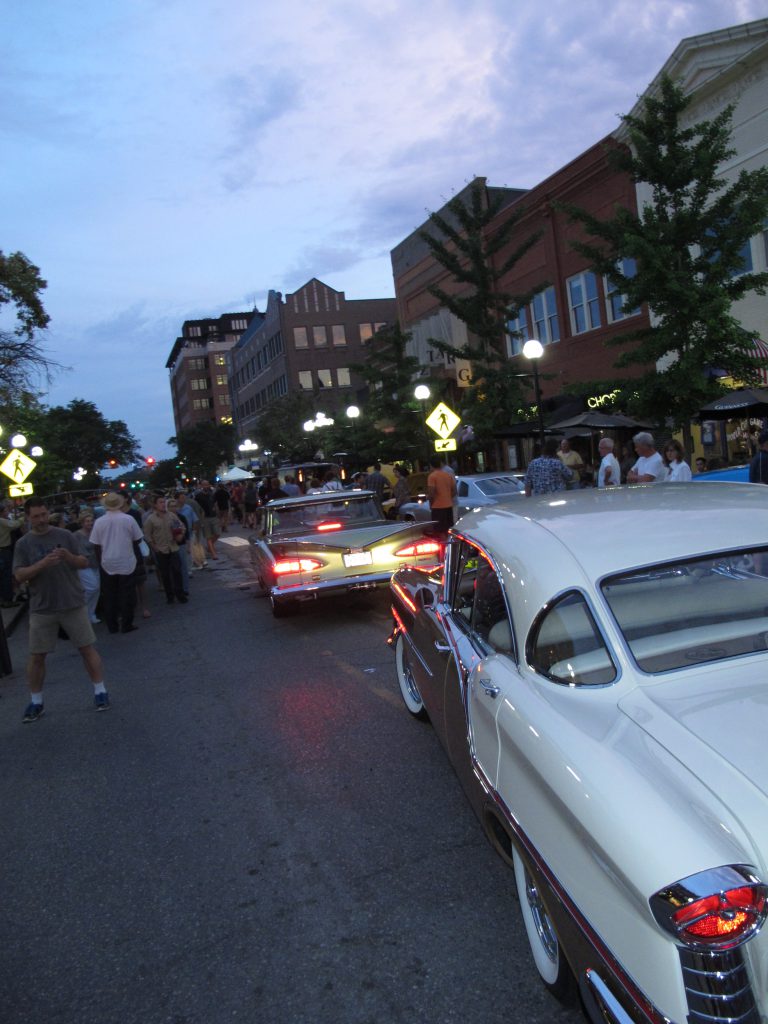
{"points": [[443, 420], [17, 466]]}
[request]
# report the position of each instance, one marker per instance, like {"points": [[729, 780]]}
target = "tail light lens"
{"points": [[418, 548], [715, 909], [327, 527], [724, 916], [286, 566]]}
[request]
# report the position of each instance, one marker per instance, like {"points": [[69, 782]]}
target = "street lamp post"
{"points": [[534, 350], [421, 394], [352, 414]]}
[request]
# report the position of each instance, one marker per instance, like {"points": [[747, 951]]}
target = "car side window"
{"points": [[566, 646], [463, 489], [478, 599]]}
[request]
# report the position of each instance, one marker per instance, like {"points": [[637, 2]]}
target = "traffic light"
{"points": [[112, 463], [122, 483], [149, 460]]}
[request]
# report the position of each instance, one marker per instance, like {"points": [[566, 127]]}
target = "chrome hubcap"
{"points": [[541, 920]]}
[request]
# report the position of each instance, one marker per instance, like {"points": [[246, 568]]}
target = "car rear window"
{"points": [[319, 516], [498, 485], [693, 611]]}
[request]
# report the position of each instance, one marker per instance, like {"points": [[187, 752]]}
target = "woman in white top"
{"points": [[679, 470]]}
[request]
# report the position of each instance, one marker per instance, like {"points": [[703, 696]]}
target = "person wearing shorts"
{"points": [[47, 559], [211, 527]]}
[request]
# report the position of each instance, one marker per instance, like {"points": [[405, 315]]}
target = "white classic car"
{"points": [[596, 666]]}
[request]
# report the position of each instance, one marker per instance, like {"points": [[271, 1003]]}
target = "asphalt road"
{"points": [[256, 831]]}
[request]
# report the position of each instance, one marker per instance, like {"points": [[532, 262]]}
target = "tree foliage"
{"points": [[72, 436], [687, 245], [389, 428], [469, 245], [22, 360], [204, 447]]}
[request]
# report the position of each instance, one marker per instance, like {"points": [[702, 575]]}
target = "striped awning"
{"points": [[761, 354]]}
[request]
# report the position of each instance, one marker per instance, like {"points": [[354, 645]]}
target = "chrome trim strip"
{"points": [[609, 1005]]}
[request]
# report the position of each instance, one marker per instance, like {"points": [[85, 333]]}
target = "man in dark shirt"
{"points": [[758, 467], [47, 558]]}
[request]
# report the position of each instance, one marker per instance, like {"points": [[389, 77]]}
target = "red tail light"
{"points": [[726, 915], [718, 908], [324, 527], [288, 565], [417, 548]]}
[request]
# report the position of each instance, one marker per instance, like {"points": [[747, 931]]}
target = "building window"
{"points": [[221, 378], [614, 300], [342, 377], [366, 333], [220, 360], [305, 380], [319, 337], [194, 332], [339, 334], [300, 339], [202, 403], [324, 378], [197, 364], [518, 332], [238, 325], [224, 400], [546, 324], [583, 302], [199, 384]]}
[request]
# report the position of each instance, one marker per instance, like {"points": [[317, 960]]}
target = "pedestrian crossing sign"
{"points": [[447, 444], [17, 466], [443, 420]]}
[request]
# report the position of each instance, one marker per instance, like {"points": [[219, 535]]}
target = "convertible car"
{"points": [[596, 666], [331, 543]]}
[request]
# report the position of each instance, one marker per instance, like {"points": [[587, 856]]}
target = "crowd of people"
{"points": [[560, 467]]}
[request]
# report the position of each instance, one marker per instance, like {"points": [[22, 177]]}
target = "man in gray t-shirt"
{"points": [[47, 559]]}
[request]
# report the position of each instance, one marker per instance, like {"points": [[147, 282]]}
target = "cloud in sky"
{"points": [[169, 159]]}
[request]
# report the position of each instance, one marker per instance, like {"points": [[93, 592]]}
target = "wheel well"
{"points": [[498, 836]]}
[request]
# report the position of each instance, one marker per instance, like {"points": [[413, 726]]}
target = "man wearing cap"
{"points": [[758, 467], [113, 536]]}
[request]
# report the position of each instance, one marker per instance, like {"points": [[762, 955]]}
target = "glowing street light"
{"points": [[534, 350], [421, 393]]}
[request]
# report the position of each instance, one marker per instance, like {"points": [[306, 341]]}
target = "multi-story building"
{"points": [[198, 369], [306, 342], [574, 313]]}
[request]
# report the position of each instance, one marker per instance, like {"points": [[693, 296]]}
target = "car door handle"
{"points": [[488, 687], [442, 648]]}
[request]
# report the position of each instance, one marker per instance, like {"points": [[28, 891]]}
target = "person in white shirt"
{"points": [[678, 469], [114, 537], [649, 468], [609, 473]]}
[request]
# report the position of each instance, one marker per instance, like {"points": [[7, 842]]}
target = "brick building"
{"points": [[574, 312], [198, 369], [306, 342]]}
